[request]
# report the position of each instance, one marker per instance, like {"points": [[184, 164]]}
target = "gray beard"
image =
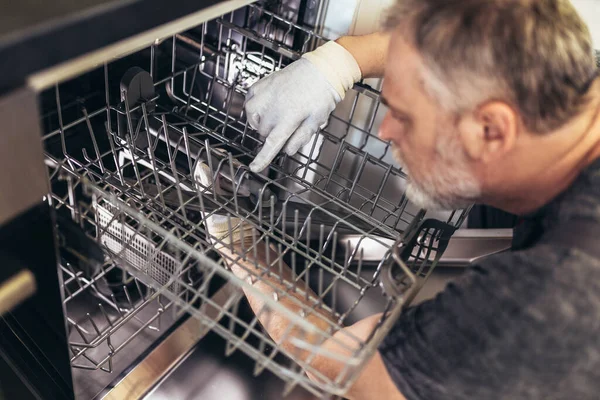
{"points": [[449, 185]]}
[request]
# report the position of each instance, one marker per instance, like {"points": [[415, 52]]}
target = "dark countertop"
{"points": [[37, 34]]}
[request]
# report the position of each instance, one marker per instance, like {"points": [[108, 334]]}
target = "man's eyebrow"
{"points": [[386, 103]]}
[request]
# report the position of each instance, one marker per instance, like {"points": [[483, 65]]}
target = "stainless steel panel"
{"points": [[23, 179]]}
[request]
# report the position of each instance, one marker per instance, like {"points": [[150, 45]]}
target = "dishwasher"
{"points": [[114, 279]]}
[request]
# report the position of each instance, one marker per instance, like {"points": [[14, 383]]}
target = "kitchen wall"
{"points": [[590, 11], [359, 16]]}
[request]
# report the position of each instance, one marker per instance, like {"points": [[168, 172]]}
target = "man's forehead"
{"points": [[402, 70]]}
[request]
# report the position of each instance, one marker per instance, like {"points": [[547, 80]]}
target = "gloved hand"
{"points": [[290, 105], [222, 229]]}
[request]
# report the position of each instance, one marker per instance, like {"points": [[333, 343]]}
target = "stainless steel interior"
{"points": [[122, 147]]}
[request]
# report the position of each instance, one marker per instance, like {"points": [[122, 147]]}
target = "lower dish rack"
{"points": [[131, 215]]}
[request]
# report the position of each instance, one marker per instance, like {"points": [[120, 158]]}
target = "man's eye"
{"points": [[401, 118]]}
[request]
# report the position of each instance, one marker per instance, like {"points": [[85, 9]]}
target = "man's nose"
{"points": [[386, 129]]}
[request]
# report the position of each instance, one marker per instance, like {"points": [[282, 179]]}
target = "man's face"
{"points": [[424, 137]]}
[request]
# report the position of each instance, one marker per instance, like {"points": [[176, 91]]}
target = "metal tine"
{"points": [[231, 346], [209, 98], [336, 279], [173, 59], [72, 322], [333, 250], [361, 295], [305, 230], [348, 120], [101, 307], [128, 297], [94, 143], [341, 149], [230, 89], [294, 277], [204, 32], [189, 97], [72, 199], [400, 208], [283, 220], [334, 291], [174, 170], [107, 96], [202, 291], [91, 361], [369, 127], [292, 382], [111, 353], [280, 254], [261, 349], [267, 256], [161, 308], [357, 175], [81, 333], [139, 289], [355, 249], [211, 168], [188, 151], [242, 246], [61, 126], [235, 199], [93, 324], [151, 155], [268, 27], [320, 286], [113, 150], [272, 213], [114, 300], [305, 44], [306, 278], [296, 233], [330, 236], [287, 33], [254, 244], [321, 244], [359, 268], [131, 139], [230, 233], [152, 60], [220, 48], [260, 208], [380, 190]]}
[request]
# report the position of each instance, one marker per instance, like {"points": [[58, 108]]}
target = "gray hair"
{"points": [[536, 55]]}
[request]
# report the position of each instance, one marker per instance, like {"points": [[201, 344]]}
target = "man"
{"points": [[493, 102]]}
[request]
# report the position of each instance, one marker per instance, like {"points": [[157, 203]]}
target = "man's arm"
{"points": [[369, 51], [374, 381]]}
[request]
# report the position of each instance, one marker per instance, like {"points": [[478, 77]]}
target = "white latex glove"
{"points": [[290, 105], [221, 228]]}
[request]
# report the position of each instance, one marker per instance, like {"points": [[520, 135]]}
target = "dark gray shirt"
{"points": [[520, 325]]}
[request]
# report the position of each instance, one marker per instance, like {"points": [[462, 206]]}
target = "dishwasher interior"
{"points": [[123, 142]]}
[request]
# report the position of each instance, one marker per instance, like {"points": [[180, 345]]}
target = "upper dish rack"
{"points": [[127, 138]]}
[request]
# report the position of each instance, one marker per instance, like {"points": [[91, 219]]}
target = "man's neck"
{"points": [[562, 171]]}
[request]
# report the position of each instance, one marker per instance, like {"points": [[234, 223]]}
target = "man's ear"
{"points": [[489, 132]]}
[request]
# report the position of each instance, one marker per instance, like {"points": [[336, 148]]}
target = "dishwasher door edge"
{"points": [[86, 62]]}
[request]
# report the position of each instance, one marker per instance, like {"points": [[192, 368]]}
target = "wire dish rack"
{"points": [[123, 179]]}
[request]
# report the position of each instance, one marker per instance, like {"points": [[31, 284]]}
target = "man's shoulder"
{"points": [[545, 269], [545, 255]]}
